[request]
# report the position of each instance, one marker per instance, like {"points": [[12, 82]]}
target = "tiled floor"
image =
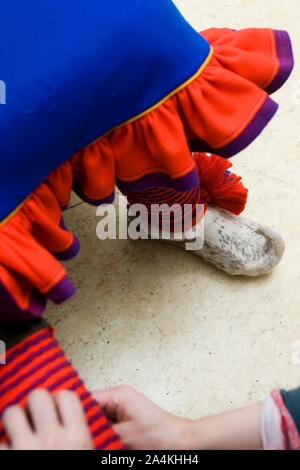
{"points": [[187, 335]]}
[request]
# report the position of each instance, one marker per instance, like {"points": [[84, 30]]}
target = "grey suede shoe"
{"points": [[235, 244], [239, 246]]}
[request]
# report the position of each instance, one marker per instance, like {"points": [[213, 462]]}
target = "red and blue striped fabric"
{"points": [[39, 362]]}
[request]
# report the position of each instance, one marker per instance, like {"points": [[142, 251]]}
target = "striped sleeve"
{"points": [[280, 420], [39, 362]]}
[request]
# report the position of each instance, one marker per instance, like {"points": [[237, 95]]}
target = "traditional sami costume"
{"points": [[117, 94], [106, 94]]}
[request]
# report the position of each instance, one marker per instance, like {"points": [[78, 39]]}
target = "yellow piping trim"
{"points": [[144, 113], [174, 92], [13, 213]]}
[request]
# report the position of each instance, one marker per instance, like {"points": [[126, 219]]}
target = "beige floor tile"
{"points": [[187, 335]]}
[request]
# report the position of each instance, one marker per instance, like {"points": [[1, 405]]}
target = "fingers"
{"points": [[48, 423], [16, 424], [107, 400], [118, 403], [69, 408], [73, 421], [74, 426], [42, 410], [108, 403]]}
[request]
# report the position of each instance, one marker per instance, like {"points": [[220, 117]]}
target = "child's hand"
{"points": [[139, 422], [144, 426], [50, 422]]}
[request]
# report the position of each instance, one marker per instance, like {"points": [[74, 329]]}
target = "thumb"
{"points": [[116, 402]]}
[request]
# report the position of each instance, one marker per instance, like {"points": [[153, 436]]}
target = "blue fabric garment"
{"points": [[74, 69]]}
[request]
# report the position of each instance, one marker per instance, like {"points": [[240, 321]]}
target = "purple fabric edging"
{"points": [[94, 202], [154, 180], [11, 313], [256, 126], [286, 60], [72, 251], [62, 291]]}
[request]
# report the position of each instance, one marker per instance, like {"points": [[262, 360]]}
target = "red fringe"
{"points": [[223, 189]]}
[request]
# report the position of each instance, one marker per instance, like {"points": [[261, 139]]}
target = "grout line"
{"points": [[72, 207]]}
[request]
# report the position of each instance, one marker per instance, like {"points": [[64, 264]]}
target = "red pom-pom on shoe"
{"points": [[219, 185]]}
